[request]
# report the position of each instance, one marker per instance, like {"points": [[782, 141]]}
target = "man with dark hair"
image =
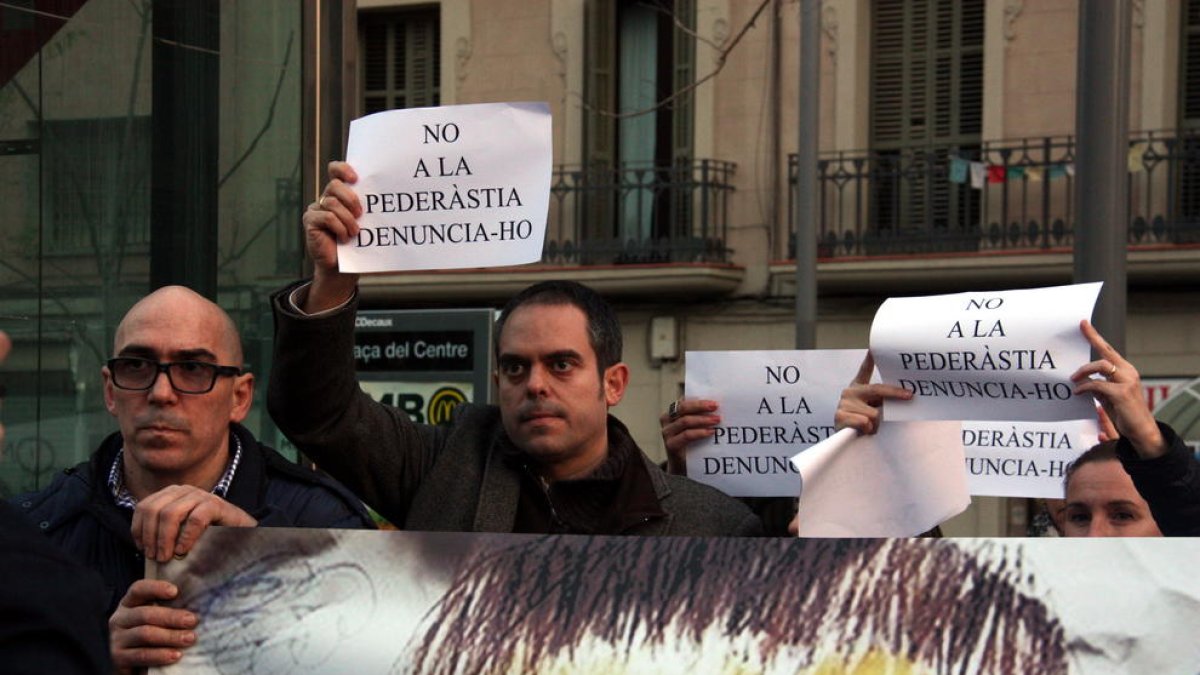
{"points": [[180, 462], [604, 330], [548, 458]]}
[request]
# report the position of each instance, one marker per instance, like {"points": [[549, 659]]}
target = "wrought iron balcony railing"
{"points": [[1004, 195], [639, 213]]}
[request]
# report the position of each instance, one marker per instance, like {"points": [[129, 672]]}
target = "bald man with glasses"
{"points": [[180, 463]]}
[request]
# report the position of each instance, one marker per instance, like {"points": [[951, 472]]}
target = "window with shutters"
{"points": [[399, 59], [638, 53], [926, 107], [1189, 114], [1189, 79]]}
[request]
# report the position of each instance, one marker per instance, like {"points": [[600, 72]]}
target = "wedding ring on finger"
{"points": [[673, 411], [1112, 371]]}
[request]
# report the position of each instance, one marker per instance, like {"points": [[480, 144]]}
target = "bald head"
{"points": [[191, 311], [174, 437]]}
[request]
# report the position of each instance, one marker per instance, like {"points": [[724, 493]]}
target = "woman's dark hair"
{"points": [[1101, 452]]}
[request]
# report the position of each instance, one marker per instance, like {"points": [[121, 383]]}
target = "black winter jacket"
{"points": [[1170, 484], [77, 511], [458, 478]]}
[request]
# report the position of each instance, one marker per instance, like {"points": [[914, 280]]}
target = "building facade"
{"points": [[675, 133], [683, 214]]}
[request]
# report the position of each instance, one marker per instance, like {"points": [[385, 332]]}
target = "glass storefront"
{"points": [[91, 121]]}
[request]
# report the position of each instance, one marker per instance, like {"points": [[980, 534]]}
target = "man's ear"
{"points": [[616, 378], [108, 390], [243, 396]]}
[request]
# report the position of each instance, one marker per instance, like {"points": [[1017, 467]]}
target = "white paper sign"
{"points": [[990, 355], [1024, 459], [772, 404], [450, 187], [898, 483]]}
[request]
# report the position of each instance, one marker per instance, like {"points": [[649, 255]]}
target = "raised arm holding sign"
{"points": [[1162, 468], [547, 459], [331, 220]]}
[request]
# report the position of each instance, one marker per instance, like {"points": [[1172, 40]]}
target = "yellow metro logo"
{"points": [[442, 403]]}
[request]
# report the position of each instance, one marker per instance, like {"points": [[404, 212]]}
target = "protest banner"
{"points": [[996, 355], [1024, 459], [276, 600], [772, 404], [450, 187], [975, 362]]}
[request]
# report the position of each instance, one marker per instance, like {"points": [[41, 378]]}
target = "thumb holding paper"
{"points": [[861, 405]]}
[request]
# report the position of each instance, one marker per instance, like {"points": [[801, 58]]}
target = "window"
{"points": [[926, 105], [80, 241], [1189, 119], [1189, 80], [97, 188], [399, 59], [639, 52]]}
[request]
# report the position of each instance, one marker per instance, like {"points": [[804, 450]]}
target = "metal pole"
{"points": [[806, 175], [183, 146], [1101, 149]]}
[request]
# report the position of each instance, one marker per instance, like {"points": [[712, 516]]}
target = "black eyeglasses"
{"points": [[186, 377]]}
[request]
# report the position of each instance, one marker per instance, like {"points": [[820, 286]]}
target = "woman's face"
{"points": [[1102, 502]]}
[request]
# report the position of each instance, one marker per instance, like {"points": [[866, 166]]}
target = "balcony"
{"points": [[631, 230], [881, 203], [884, 216], [639, 214]]}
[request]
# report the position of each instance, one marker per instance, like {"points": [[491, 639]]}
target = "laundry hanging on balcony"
{"points": [[959, 168], [1137, 157], [981, 173], [978, 175]]}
